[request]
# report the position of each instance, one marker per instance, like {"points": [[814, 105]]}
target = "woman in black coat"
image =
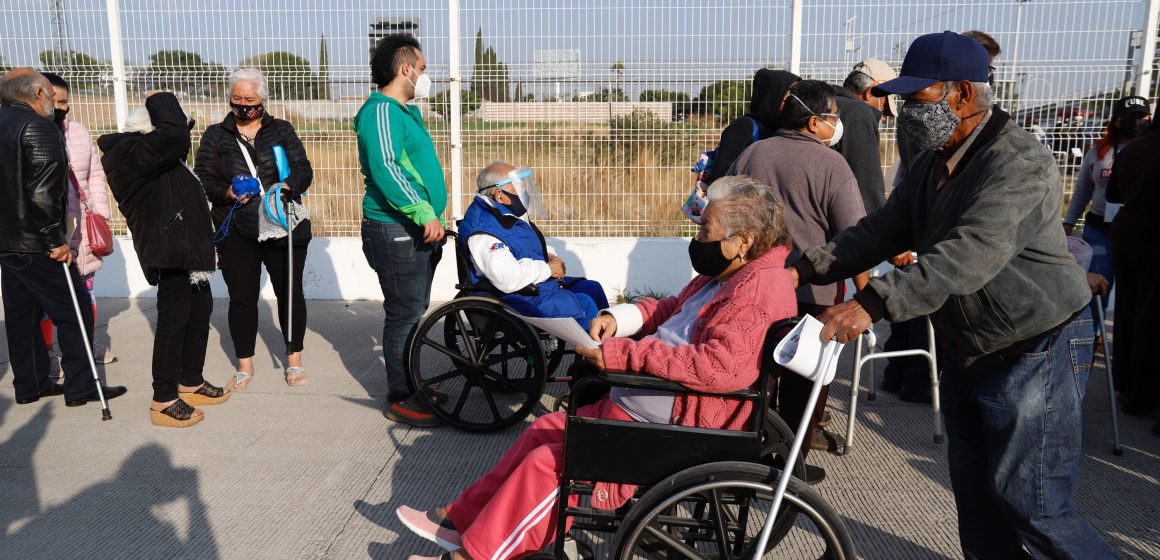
{"points": [[241, 253], [167, 214], [770, 89], [1135, 183]]}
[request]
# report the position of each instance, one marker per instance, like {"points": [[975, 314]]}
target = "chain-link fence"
{"points": [[610, 102]]}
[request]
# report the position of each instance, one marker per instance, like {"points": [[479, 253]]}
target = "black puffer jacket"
{"points": [[33, 181], [160, 197], [219, 158]]}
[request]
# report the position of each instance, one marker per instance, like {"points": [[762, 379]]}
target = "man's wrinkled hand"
{"points": [[593, 355], [556, 264], [433, 232], [1097, 284], [61, 254], [602, 327], [845, 321]]}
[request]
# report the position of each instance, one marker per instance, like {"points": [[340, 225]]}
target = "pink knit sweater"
{"points": [[724, 353]]}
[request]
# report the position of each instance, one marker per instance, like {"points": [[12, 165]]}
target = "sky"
{"points": [[1056, 48]]}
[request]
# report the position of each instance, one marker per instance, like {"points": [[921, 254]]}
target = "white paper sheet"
{"points": [[565, 328]]}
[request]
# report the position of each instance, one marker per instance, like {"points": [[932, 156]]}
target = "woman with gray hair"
{"points": [[243, 144], [708, 338], [166, 212]]}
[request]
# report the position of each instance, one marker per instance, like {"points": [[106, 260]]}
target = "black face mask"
{"points": [[247, 112], [516, 206], [707, 258], [1133, 129], [58, 115]]}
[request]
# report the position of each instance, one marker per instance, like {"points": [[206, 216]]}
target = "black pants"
{"points": [[33, 284], [241, 259], [183, 312]]}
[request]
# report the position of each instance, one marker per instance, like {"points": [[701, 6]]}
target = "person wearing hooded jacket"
{"points": [[1133, 240], [770, 89], [241, 254], [167, 213]]}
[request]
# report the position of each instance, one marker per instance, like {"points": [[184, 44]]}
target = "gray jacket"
{"points": [[993, 272]]}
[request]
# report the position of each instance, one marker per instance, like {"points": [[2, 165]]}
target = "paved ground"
{"points": [[315, 471]]}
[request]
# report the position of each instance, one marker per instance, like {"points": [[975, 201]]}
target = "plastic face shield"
{"points": [[525, 186]]}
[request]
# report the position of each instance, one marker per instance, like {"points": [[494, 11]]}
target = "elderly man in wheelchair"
{"points": [[508, 251], [709, 340]]}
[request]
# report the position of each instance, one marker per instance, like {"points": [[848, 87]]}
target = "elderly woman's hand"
{"points": [[602, 327], [594, 355]]}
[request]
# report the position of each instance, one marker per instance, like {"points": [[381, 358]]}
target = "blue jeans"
{"points": [[405, 266], [1014, 447]]}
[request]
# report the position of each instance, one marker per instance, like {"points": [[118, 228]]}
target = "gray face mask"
{"points": [[928, 125]]}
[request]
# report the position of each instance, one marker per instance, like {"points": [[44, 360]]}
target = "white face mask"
{"points": [[837, 137], [422, 86]]}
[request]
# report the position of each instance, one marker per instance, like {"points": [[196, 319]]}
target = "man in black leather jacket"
{"points": [[34, 176]]}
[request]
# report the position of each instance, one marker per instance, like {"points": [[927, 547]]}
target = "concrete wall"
{"points": [[336, 268]]}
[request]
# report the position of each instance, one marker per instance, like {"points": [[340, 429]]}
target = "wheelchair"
{"points": [[710, 495], [475, 364]]}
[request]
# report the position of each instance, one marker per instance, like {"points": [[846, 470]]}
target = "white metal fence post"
{"points": [[117, 56], [455, 83], [795, 40], [1148, 57]]}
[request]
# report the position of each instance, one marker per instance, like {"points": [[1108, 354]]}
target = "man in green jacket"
{"points": [[402, 226]]}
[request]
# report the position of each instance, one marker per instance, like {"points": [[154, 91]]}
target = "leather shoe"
{"points": [[110, 394], [53, 390]]}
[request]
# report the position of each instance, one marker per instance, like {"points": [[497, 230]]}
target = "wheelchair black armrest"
{"points": [[649, 382], [531, 290]]}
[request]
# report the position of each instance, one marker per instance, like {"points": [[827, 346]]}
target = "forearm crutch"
{"points": [[829, 354], [72, 292], [289, 277], [1102, 330]]}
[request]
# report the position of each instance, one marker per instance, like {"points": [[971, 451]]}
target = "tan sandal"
{"points": [[205, 395], [296, 376], [177, 415], [240, 381]]}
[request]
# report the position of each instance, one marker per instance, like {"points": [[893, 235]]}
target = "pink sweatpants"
{"points": [[511, 510]]}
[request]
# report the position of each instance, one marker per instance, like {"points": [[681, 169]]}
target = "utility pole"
{"points": [[60, 36]]}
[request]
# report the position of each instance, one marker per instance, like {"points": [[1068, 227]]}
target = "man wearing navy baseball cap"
{"points": [[981, 205]]}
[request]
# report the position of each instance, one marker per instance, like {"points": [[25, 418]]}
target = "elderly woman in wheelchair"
{"points": [[508, 251], [708, 339]]}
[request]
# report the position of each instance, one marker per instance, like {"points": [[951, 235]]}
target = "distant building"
{"points": [[383, 26]]}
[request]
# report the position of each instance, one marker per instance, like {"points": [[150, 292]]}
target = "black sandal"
{"points": [[206, 394], [177, 415]]}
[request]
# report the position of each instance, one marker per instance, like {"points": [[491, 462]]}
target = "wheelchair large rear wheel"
{"points": [[479, 368], [716, 512]]}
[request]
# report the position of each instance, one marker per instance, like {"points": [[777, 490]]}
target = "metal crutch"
{"points": [[289, 278], [72, 291], [829, 354], [1102, 329]]}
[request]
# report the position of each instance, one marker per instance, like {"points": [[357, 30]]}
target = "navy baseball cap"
{"points": [[938, 57]]}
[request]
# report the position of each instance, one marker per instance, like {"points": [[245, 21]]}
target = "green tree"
{"points": [[663, 95], [323, 71], [727, 99], [290, 76], [81, 70], [489, 76], [183, 71]]}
